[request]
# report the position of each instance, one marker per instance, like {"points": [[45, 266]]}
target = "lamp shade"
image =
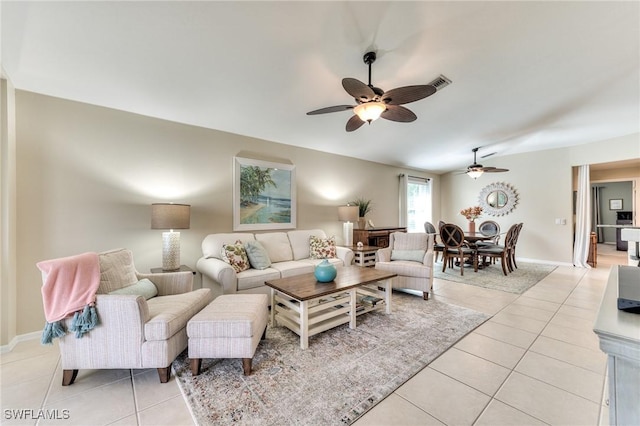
{"points": [[474, 174], [369, 111], [170, 216], [348, 213]]}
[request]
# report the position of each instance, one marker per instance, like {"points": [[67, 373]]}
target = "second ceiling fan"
{"points": [[373, 102], [476, 170]]}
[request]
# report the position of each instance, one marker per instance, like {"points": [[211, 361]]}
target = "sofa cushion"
{"points": [[236, 256], [410, 241], [277, 245], [405, 268], [322, 248], [252, 278], [144, 288], [257, 254], [212, 243], [315, 262], [299, 240], [170, 314], [413, 255], [116, 270], [293, 267]]}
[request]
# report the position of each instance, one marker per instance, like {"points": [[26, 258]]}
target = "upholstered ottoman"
{"points": [[229, 327]]}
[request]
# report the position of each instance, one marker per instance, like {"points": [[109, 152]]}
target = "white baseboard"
{"points": [[21, 338]]}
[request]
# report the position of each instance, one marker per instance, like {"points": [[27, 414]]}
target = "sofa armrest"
{"points": [[428, 255], [115, 342], [220, 273], [170, 282], [345, 254], [383, 255]]}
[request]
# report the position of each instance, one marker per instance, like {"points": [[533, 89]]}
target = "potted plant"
{"points": [[364, 207]]}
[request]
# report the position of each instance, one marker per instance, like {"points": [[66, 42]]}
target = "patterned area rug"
{"points": [[518, 281], [339, 377]]}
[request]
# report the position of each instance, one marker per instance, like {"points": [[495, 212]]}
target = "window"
{"points": [[418, 202]]}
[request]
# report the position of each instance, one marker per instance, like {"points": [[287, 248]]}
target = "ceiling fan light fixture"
{"points": [[474, 174], [369, 111]]}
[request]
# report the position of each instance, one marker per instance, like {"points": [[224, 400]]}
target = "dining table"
{"points": [[472, 239]]}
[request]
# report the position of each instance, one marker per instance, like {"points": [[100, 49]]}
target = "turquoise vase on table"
{"points": [[325, 272]]}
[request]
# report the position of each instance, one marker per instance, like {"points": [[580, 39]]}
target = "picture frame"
{"points": [[615, 204], [264, 195]]}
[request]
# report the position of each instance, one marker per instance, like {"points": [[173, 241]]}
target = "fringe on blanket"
{"points": [[82, 323]]}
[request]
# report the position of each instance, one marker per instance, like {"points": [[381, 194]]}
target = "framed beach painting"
{"points": [[264, 195]]}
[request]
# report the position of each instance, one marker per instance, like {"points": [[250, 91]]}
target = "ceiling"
{"points": [[526, 75]]}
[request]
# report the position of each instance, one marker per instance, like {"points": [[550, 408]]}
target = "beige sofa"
{"points": [[288, 251]]}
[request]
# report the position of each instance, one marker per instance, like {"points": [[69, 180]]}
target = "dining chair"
{"points": [[455, 247], [437, 247], [489, 228], [512, 250], [502, 252]]}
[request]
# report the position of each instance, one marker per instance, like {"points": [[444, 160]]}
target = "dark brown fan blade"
{"points": [[358, 89], [493, 170], [404, 95], [398, 113], [336, 108], [354, 123]]}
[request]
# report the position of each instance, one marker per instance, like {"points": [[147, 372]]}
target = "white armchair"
{"points": [[410, 255], [133, 332]]}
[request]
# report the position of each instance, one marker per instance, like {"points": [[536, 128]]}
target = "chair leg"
{"points": [[246, 366], [461, 259], [196, 364], [264, 334], [68, 377], [425, 295], [503, 262], [164, 374], [444, 263]]}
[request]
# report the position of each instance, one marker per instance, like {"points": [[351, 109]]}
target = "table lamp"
{"points": [[170, 216], [348, 214]]}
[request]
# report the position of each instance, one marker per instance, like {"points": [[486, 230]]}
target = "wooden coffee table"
{"points": [[308, 307]]}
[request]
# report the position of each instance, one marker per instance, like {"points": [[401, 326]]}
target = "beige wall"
{"points": [[87, 177], [7, 211], [543, 181]]}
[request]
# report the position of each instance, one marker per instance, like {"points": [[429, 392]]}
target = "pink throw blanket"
{"points": [[70, 285]]}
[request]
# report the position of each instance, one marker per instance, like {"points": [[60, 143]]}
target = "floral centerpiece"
{"points": [[471, 214]]}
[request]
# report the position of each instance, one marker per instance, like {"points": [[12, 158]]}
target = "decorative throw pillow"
{"points": [[322, 248], [236, 256], [116, 270], [258, 256], [414, 255], [144, 288]]}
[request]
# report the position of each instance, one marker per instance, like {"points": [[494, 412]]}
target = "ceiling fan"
{"points": [[373, 102], [476, 170]]}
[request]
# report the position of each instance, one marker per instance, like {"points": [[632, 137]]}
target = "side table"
{"points": [[182, 269], [365, 255]]}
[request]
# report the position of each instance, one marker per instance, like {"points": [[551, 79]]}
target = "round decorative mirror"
{"points": [[498, 199]]}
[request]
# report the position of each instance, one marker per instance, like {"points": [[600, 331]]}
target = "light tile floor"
{"points": [[535, 362]]}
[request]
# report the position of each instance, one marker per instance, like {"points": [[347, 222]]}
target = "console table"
{"points": [[619, 334], [377, 237]]}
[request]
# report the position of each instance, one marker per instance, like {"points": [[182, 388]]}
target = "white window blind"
{"points": [[415, 202]]}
